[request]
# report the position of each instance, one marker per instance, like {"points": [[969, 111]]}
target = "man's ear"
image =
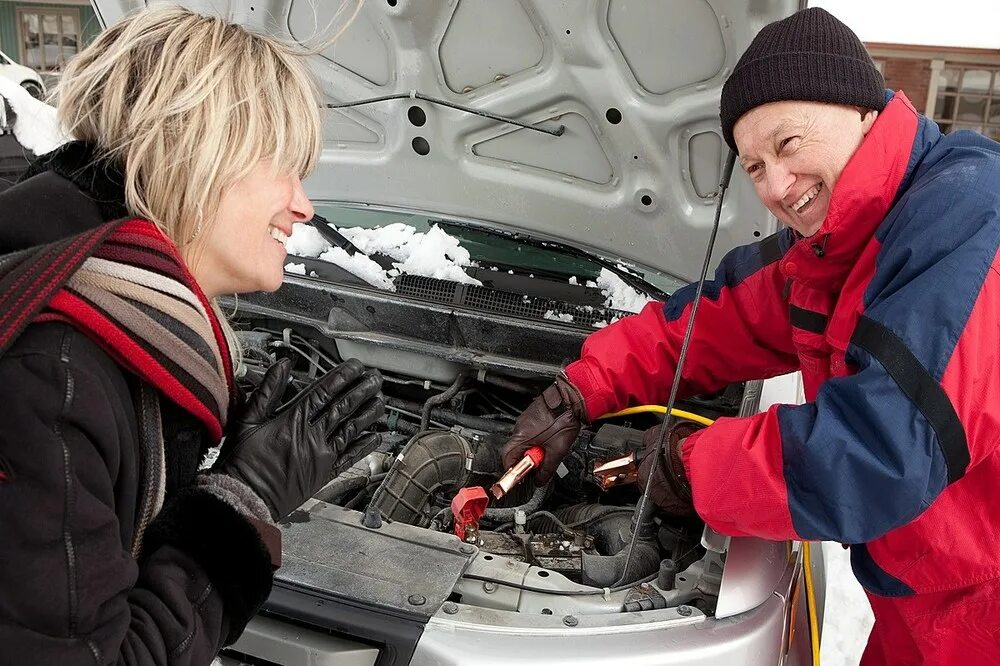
{"points": [[868, 117]]}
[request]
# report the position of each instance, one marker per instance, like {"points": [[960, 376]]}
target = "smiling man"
{"points": [[884, 290]]}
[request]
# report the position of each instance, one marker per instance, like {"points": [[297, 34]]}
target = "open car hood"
{"points": [[635, 84]]}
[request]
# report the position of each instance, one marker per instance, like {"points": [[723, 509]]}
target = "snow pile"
{"points": [[305, 241], [360, 265], [433, 254], [36, 127], [391, 240], [298, 269], [437, 255], [618, 295], [847, 619], [558, 316]]}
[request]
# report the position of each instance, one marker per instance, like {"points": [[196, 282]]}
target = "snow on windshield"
{"points": [[433, 254], [36, 127], [617, 293]]}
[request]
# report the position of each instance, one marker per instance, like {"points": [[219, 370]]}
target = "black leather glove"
{"points": [[670, 489], [552, 421], [286, 452]]}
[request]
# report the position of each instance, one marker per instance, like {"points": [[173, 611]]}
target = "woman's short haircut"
{"points": [[188, 105]]}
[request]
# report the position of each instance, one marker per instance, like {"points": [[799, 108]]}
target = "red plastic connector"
{"points": [[468, 507]]}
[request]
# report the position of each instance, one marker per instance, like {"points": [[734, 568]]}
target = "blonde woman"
{"points": [[116, 372]]}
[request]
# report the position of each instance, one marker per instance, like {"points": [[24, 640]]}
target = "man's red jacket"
{"points": [[892, 313]]}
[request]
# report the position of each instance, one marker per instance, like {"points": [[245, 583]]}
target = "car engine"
{"points": [[441, 437]]}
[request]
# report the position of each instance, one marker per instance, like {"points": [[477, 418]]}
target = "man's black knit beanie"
{"points": [[809, 56]]}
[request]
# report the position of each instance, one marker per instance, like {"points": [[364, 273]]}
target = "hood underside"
{"points": [[635, 84]]}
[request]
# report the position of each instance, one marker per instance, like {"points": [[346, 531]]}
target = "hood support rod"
{"points": [[413, 94], [644, 510]]}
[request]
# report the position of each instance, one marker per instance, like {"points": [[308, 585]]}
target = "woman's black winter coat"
{"points": [[70, 490]]}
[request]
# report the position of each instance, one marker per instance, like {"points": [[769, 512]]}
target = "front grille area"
{"points": [[426, 288], [497, 300]]}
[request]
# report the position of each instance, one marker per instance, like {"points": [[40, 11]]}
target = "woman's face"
{"points": [[243, 248]]}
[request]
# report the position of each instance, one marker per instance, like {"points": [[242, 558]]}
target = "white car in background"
{"points": [[25, 77]]}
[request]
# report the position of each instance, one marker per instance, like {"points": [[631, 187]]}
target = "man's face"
{"points": [[794, 152]]}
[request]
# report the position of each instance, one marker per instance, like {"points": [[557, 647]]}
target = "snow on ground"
{"points": [[847, 619], [36, 127], [432, 254]]}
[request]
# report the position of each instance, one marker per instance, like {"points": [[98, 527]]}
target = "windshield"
{"points": [[461, 262], [487, 250]]}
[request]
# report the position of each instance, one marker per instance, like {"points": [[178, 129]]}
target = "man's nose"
{"points": [[779, 181]]}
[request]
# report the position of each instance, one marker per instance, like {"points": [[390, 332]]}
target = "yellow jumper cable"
{"points": [[659, 409], [806, 547]]}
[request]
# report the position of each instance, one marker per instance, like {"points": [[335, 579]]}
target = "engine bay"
{"points": [[561, 548]]}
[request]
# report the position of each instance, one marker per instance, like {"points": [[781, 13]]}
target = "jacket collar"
{"points": [[100, 179], [865, 193]]}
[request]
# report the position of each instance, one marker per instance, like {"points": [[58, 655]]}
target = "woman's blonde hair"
{"points": [[188, 105]]}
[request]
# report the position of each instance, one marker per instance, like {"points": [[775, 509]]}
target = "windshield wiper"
{"points": [[332, 236]]}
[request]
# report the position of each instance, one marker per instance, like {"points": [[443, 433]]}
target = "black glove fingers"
{"points": [[268, 394], [360, 448], [345, 404], [325, 389], [367, 415]]}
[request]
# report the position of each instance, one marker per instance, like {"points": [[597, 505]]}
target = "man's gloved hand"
{"points": [[669, 490], [286, 452], [552, 421]]}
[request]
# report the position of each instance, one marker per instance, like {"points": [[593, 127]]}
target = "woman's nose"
{"points": [[300, 206]]}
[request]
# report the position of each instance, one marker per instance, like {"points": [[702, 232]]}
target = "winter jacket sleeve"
{"points": [[742, 332], [877, 448], [71, 592]]}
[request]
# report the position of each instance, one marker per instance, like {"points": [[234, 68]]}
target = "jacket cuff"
{"points": [[226, 546], [687, 450], [580, 376]]}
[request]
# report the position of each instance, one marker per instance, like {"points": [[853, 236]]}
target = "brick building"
{"points": [[957, 87]]}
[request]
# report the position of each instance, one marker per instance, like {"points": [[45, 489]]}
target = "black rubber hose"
{"points": [[452, 417], [618, 568], [432, 462], [509, 384], [441, 398]]}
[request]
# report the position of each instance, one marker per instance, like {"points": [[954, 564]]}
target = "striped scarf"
{"points": [[125, 286]]}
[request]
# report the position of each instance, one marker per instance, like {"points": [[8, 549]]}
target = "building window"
{"points": [[879, 65], [49, 37], [969, 98]]}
